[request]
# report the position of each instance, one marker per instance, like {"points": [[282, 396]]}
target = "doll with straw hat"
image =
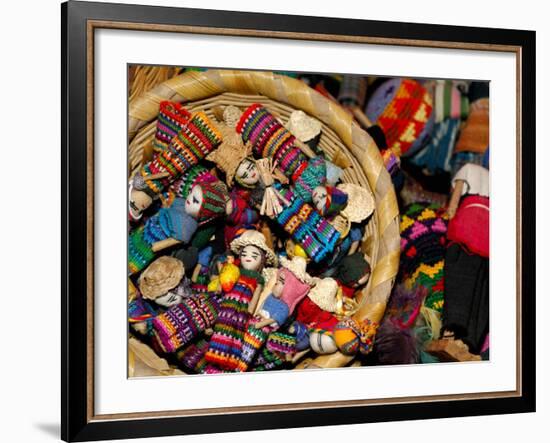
{"points": [[225, 350]]}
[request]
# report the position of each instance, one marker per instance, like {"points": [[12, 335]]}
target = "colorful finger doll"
{"points": [[185, 321], [292, 283], [177, 223], [269, 138], [196, 139], [224, 353], [306, 226]]}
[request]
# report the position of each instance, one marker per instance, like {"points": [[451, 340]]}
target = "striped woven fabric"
{"points": [[195, 140], [271, 139], [172, 117], [185, 321], [226, 344], [307, 227]]}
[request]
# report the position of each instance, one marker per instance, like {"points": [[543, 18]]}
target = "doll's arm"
{"points": [[455, 198], [254, 301], [264, 322]]}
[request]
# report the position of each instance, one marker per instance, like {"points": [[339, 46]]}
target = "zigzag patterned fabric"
{"points": [[226, 345], [193, 143], [423, 244], [172, 117], [403, 109], [185, 321], [306, 226]]}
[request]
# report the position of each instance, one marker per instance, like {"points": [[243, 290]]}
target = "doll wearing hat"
{"points": [[226, 345], [196, 139]]}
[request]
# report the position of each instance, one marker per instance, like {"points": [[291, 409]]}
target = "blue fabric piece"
{"points": [[436, 156], [176, 223], [461, 158], [277, 309], [302, 336], [205, 255], [485, 161]]}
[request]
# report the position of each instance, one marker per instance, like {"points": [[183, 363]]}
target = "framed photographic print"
{"points": [[279, 221]]}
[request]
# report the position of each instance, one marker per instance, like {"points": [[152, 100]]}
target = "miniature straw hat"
{"points": [[163, 274], [231, 152], [256, 238], [323, 294], [302, 126], [298, 267], [360, 202]]}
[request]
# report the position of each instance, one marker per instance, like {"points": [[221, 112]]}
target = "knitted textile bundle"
{"points": [[191, 357], [268, 361], [307, 227], [449, 102], [272, 356], [253, 340], [436, 156], [195, 140], [423, 235], [214, 199], [185, 321], [226, 344], [474, 136], [353, 90], [140, 253], [172, 117], [403, 109], [269, 138]]}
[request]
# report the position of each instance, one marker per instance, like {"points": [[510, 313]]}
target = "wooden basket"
{"points": [[340, 134]]}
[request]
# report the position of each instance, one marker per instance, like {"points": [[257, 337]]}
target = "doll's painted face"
{"points": [[247, 173], [319, 197], [252, 258], [138, 202], [277, 290], [168, 299], [193, 202]]}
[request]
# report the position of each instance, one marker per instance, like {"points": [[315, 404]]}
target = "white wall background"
{"points": [[30, 223]]}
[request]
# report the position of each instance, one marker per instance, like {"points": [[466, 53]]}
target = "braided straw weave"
{"points": [[281, 95]]}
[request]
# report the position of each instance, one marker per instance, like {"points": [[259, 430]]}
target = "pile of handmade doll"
{"points": [[245, 246]]}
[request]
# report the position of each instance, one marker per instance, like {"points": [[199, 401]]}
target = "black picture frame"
{"points": [[77, 424]]}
